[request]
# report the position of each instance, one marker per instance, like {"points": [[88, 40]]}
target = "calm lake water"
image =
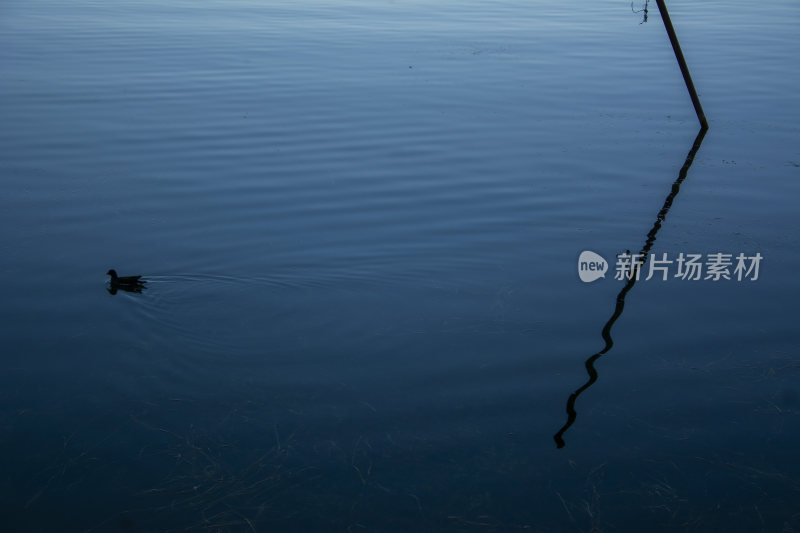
{"points": [[360, 225]]}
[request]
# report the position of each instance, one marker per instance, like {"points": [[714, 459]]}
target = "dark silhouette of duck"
{"points": [[125, 283]]}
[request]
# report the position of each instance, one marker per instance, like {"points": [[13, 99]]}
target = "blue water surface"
{"points": [[359, 223]]}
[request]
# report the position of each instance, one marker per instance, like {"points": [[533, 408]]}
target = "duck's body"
{"points": [[125, 281]]}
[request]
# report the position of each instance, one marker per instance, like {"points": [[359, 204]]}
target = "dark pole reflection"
{"points": [[606, 333]]}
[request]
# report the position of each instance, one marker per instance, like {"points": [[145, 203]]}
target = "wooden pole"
{"points": [[676, 47]]}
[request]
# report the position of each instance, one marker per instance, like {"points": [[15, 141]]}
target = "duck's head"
{"points": [[112, 273]]}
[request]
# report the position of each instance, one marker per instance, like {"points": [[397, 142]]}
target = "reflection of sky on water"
{"points": [[359, 226]]}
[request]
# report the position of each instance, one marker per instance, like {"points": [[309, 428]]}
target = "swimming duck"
{"points": [[126, 283]]}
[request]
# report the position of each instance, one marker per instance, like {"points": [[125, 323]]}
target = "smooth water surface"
{"points": [[360, 223]]}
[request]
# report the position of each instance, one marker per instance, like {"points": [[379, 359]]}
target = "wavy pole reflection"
{"points": [[620, 305]]}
